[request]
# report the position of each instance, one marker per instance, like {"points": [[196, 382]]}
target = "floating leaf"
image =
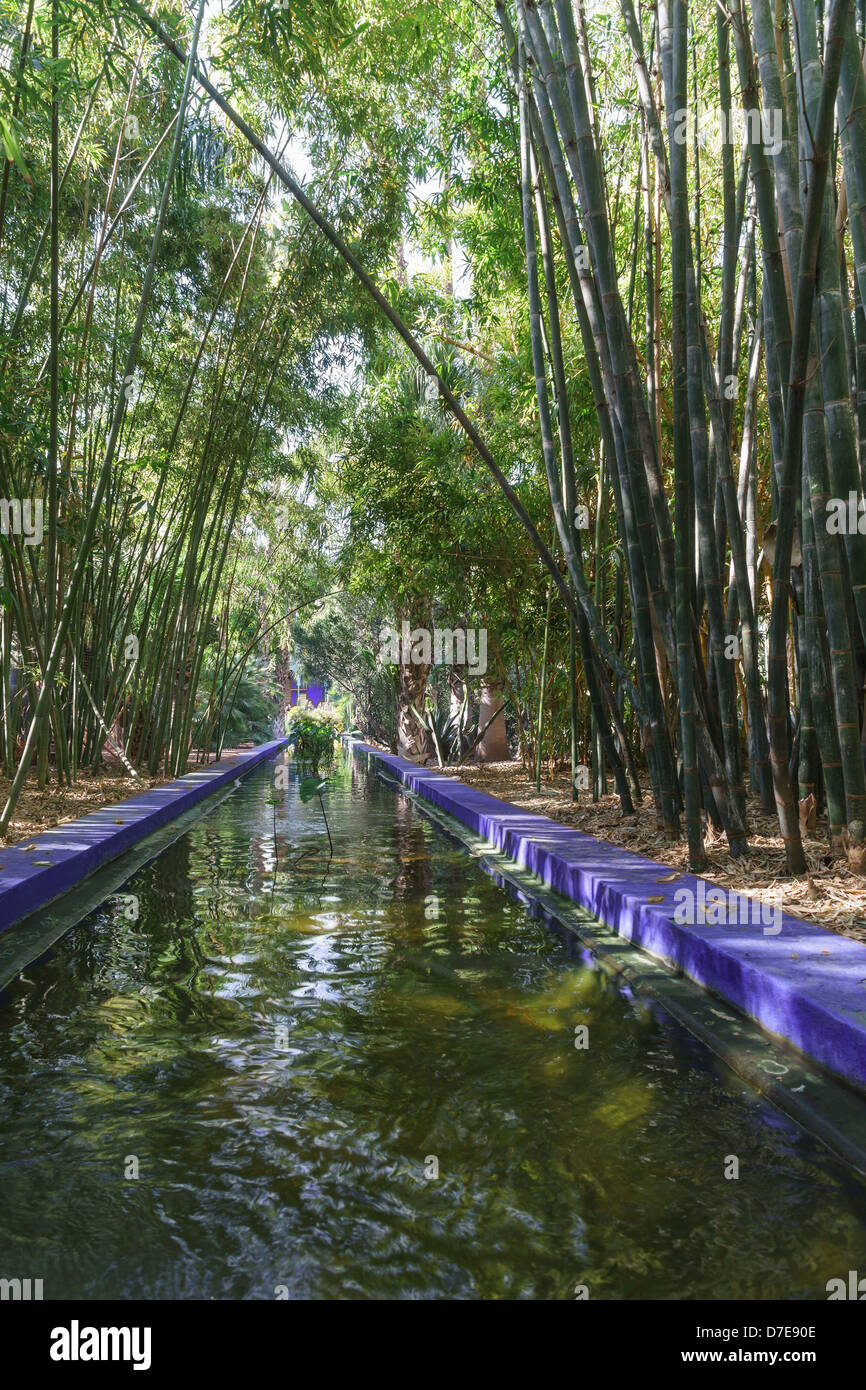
{"points": [[312, 786]]}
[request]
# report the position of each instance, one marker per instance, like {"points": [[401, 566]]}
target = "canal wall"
{"points": [[802, 983], [62, 857]]}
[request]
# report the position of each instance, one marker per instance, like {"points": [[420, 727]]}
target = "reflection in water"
{"points": [[285, 1044], [413, 878]]}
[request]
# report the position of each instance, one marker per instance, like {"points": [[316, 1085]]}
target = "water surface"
{"points": [[287, 1049]]}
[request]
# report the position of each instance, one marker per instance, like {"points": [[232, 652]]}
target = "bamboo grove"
{"points": [[795, 204], [150, 365], [680, 190], [691, 584]]}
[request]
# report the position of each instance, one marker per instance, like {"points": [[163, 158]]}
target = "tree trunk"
{"points": [[493, 748]]}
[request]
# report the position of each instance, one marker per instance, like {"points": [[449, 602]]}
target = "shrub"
{"points": [[312, 736]]}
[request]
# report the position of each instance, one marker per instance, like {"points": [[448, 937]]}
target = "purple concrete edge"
{"points": [[804, 983], [79, 847]]}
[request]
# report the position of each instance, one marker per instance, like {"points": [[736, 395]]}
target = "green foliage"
{"points": [[312, 786], [340, 646], [312, 735], [279, 444], [254, 707]]}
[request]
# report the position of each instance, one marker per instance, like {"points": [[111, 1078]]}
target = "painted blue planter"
{"points": [[69, 853]]}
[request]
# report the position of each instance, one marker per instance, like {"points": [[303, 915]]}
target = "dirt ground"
{"points": [[830, 894], [56, 805]]}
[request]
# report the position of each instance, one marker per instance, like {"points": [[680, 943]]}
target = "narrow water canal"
{"points": [[283, 1049]]}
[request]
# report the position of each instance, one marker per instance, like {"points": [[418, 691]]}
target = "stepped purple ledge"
{"points": [[803, 983], [67, 854]]}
